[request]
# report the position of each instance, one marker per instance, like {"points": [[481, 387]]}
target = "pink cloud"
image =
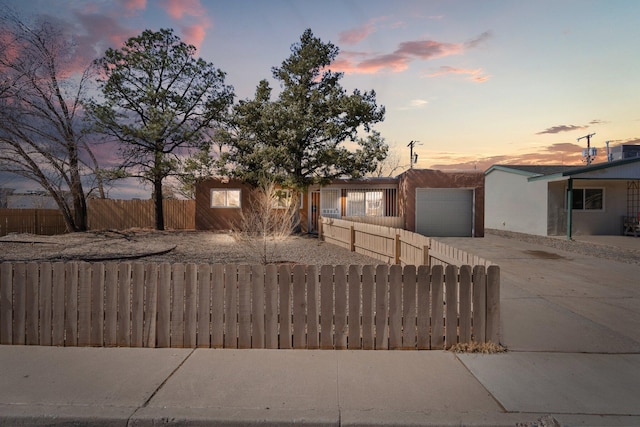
{"points": [[474, 75], [406, 52], [179, 8], [561, 128], [194, 34], [132, 6], [193, 18], [429, 49], [8, 47], [101, 32], [356, 35]]}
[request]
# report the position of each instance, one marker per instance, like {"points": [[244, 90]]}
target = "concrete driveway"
{"points": [[558, 301]]}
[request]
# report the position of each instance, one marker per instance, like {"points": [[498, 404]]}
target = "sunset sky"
{"points": [[475, 82]]}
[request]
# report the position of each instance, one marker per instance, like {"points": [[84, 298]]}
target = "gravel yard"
{"points": [[210, 247], [170, 246]]}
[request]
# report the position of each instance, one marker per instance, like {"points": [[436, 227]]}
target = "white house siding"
{"points": [[514, 204], [605, 222]]}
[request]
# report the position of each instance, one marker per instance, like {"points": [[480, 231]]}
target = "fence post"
{"points": [[493, 304], [425, 255], [397, 251], [352, 239]]}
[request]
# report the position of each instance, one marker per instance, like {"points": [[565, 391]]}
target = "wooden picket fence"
{"points": [[394, 245], [247, 306]]}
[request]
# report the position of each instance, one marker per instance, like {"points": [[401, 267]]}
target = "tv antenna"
{"points": [[413, 157], [591, 152]]}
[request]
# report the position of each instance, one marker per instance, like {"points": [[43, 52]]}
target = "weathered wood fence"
{"points": [[247, 306], [101, 214], [122, 214], [394, 245], [34, 221]]}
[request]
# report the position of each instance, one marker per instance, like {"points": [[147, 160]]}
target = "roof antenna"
{"points": [[591, 152]]}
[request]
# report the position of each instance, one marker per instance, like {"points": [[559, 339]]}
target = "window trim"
{"points": [[226, 191]]}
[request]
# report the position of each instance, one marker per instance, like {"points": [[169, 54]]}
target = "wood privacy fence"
{"points": [[247, 306], [394, 245], [123, 214], [34, 221], [101, 214]]}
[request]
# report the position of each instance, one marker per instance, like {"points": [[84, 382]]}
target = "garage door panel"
{"points": [[444, 212]]}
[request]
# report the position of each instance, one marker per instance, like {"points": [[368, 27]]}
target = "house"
{"points": [[430, 202], [598, 199]]}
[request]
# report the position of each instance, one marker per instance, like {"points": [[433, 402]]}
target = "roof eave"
{"points": [[510, 170]]}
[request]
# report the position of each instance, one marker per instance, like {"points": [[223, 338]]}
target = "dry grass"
{"points": [[476, 347]]}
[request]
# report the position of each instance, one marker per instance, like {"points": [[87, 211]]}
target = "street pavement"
{"points": [[570, 322]]}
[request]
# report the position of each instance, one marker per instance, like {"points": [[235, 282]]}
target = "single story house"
{"points": [[430, 202], [598, 199]]}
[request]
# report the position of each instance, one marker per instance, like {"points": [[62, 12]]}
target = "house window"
{"points": [[282, 199], [588, 199], [225, 198], [365, 203]]}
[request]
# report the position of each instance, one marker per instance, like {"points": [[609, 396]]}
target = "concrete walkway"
{"points": [[571, 323]]}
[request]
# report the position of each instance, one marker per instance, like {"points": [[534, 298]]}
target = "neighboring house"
{"points": [[430, 202], [32, 200], [543, 200], [4, 193]]}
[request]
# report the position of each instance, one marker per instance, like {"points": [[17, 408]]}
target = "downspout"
{"points": [[569, 208]]}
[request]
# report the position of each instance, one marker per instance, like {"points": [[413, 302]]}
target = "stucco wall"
{"points": [[427, 178], [224, 219], [514, 204]]}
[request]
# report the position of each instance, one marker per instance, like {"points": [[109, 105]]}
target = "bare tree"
{"points": [[267, 223], [41, 136], [390, 166]]}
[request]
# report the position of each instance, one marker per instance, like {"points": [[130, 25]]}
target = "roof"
{"points": [[535, 172]]}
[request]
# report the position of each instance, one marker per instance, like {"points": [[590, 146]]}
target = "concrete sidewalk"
{"points": [[145, 387], [571, 323]]}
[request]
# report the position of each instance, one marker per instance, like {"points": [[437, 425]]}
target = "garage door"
{"points": [[444, 212]]}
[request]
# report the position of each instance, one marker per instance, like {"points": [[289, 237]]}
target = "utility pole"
{"points": [[589, 154], [413, 159]]}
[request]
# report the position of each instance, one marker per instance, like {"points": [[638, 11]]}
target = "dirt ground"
{"points": [[170, 246]]}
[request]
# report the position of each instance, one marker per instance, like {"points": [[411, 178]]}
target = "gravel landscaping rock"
{"points": [[170, 246]]}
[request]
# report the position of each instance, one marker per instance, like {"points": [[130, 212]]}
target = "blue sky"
{"points": [[476, 82]]}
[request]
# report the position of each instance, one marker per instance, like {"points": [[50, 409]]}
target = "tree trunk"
{"points": [[157, 197], [79, 204], [296, 223]]}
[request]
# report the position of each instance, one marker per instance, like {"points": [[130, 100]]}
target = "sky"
{"points": [[475, 82]]}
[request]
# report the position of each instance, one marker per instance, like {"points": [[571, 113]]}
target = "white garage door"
{"points": [[444, 212]]}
